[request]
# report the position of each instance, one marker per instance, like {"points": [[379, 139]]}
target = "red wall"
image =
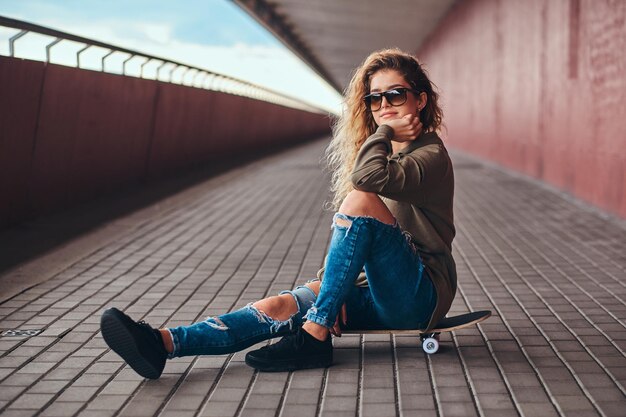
{"points": [[538, 86], [68, 135]]}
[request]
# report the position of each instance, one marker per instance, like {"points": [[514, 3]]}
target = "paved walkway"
{"points": [[551, 270]]}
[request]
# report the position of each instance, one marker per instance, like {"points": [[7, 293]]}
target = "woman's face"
{"points": [[385, 80]]}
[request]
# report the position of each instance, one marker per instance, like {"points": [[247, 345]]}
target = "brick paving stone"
{"points": [[417, 402], [186, 402], [62, 374], [19, 413], [107, 402], [31, 401], [613, 409], [306, 384], [342, 389], [553, 282], [337, 404], [458, 409], [77, 393], [92, 380], [380, 382], [269, 401], [495, 402], [220, 408], [378, 395], [117, 386], [573, 403], [141, 407], [269, 383], [299, 396], [62, 409], [20, 380], [496, 412], [178, 413], [300, 410], [382, 409], [255, 412], [346, 358], [37, 368], [12, 361], [96, 413], [8, 392], [335, 413]]}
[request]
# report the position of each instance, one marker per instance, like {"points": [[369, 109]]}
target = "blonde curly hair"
{"points": [[356, 122]]}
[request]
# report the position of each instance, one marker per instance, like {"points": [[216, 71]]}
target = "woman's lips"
{"points": [[387, 115]]}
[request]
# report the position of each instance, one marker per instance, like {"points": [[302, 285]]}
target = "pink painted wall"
{"points": [[68, 135], [538, 86]]}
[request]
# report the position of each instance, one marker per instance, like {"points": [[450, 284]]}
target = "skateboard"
{"points": [[430, 338]]}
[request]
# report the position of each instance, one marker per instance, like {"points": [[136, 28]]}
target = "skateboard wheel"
{"points": [[430, 345]]}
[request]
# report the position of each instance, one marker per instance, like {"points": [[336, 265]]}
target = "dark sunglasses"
{"points": [[395, 97]]}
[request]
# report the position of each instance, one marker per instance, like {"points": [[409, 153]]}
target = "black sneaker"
{"points": [[140, 345], [295, 351]]}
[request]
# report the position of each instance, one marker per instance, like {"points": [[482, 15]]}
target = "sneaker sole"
{"points": [[276, 366], [120, 339]]}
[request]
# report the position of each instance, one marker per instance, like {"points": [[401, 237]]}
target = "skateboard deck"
{"points": [[430, 338]]}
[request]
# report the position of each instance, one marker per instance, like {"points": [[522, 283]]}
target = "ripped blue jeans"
{"points": [[399, 294], [238, 330]]}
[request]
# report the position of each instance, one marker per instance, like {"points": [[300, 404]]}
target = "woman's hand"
{"points": [[342, 317], [405, 129]]}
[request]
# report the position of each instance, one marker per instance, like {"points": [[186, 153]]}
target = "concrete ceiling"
{"points": [[334, 36]]}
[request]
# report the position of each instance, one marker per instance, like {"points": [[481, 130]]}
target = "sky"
{"points": [[212, 34]]}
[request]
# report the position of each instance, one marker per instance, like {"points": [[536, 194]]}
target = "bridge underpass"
{"points": [[550, 267]]}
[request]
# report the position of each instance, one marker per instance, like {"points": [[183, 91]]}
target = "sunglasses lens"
{"points": [[374, 101], [396, 97]]}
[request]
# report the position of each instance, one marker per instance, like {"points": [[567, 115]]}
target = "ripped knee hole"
{"points": [[314, 286], [274, 309], [343, 222], [216, 323]]}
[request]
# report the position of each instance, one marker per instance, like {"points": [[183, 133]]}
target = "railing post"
{"points": [[49, 46], [80, 52], [12, 42], [143, 65], [124, 64], [111, 52]]}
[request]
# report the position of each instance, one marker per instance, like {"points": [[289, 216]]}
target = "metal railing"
{"points": [[202, 78]]}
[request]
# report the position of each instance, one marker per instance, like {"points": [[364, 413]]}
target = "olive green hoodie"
{"points": [[417, 185]]}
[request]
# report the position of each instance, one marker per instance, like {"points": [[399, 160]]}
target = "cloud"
{"points": [[155, 32]]}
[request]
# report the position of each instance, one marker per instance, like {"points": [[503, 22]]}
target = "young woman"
{"points": [[389, 263]]}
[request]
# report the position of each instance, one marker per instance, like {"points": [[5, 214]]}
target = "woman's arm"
{"points": [[405, 177]]}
